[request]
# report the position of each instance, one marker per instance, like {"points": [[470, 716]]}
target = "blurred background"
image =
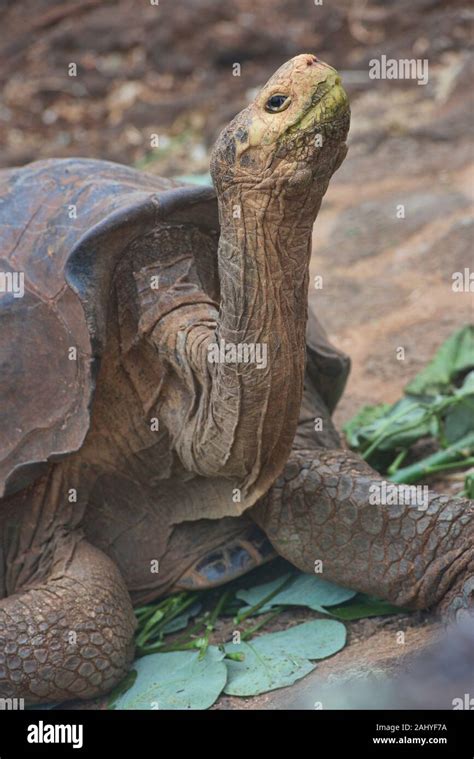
{"points": [[168, 70]]}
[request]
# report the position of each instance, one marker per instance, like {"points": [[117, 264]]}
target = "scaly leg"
{"points": [[70, 636], [414, 554], [66, 623]]}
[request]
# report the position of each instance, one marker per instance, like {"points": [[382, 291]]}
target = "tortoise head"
{"points": [[291, 137]]}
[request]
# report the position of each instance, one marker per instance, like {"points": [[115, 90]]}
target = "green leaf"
{"points": [[432, 407], [310, 640], [455, 356], [469, 485], [180, 622], [364, 606], [259, 673], [254, 596], [458, 454], [279, 659], [405, 422], [177, 680], [459, 419], [467, 387], [305, 590], [364, 418]]}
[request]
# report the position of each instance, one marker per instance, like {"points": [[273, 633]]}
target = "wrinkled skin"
{"points": [[237, 463]]}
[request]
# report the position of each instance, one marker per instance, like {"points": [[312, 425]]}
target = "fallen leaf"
{"points": [[176, 680], [279, 659], [305, 590]]}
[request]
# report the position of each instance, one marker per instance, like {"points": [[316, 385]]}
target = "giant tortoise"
{"points": [[160, 381]]}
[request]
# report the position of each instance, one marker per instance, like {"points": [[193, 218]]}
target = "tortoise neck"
{"points": [[263, 270]]}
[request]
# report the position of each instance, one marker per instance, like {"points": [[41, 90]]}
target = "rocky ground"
{"points": [[167, 70]]}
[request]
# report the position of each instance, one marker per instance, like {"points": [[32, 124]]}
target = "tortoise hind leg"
{"points": [[238, 555], [70, 636]]}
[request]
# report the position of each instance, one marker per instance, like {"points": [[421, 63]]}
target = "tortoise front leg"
{"points": [[70, 636], [413, 553]]}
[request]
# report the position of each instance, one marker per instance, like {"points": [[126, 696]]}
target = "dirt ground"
{"points": [[167, 70]]}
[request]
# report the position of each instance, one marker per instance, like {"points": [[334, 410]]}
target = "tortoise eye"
{"points": [[277, 103]]}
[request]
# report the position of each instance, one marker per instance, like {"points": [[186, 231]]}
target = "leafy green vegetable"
{"points": [[267, 662], [403, 423], [178, 680], [459, 419], [363, 419], [304, 590], [434, 407], [362, 607], [260, 673], [469, 485], [157, 620], [312, 640], [260, 598], [279, 659], [182, 620], [458, 454], [454, 357]]}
